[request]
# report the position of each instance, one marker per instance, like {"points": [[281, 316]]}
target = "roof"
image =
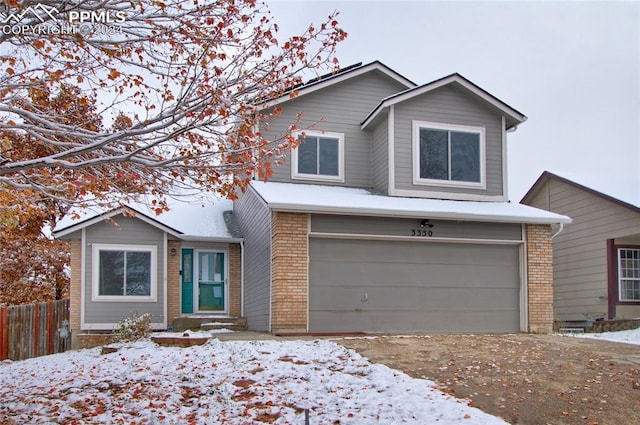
{"points": [[190, 218], [514, 117], [294, 197], [338, 77], [621, 191]]}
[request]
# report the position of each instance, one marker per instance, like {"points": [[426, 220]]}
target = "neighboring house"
{"points": [[392, 214], [596, 258], [183, 262]]}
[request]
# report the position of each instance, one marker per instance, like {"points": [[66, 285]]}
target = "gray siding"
{"points": [[380, 157], [339, 108], [580, 251], [130, 231], [393, 286], [448, 105], [254, 220], [403, 227]]}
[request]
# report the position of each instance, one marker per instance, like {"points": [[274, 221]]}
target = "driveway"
{"points": [[525, 379]]}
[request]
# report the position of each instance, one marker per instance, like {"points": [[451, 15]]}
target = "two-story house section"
{"points": [[392, 214]]}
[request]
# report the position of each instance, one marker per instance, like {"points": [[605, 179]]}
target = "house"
{"points": [[596, 258], [183, 262], [390, 216]]}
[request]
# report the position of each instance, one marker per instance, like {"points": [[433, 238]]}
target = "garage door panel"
{"points": [[426, 275], [367, 251], [416, 321], [413, 286], [343, 298]]}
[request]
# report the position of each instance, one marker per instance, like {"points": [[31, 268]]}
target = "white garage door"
{"points": [[396, 286]]}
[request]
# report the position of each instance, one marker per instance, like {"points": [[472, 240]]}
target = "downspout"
{"points": [[558, 231], [242, 278]]}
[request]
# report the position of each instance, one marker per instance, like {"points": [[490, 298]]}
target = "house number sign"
{"points": [[421, 232]]}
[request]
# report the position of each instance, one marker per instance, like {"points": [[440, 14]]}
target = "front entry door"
{"points": [[211, 281]]}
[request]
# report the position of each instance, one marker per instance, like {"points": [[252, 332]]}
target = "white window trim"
{"points": [[620, 278], [319, 177], [417, 180], [95, 280]]}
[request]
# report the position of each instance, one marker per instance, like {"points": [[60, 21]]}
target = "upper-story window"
{"points": [[450, 155], [319, 156]]}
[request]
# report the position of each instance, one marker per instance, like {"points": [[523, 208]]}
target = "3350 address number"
{"points": [[421, 232]]}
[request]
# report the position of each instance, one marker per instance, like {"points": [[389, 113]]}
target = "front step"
{"points": [[239, 324], [209, 323]]}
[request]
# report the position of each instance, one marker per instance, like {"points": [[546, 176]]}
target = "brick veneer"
{"points": [[289, 283], [74, 289], [173, 281], [540, 278], [235, 296]]}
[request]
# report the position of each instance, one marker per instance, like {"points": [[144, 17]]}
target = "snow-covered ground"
{"points": [[628, 337], [222, 382]]}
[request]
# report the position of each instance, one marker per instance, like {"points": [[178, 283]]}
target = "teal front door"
{"points": [[211, 281]]}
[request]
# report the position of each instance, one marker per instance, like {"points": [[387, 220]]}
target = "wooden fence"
{"points": [[33, 330]]}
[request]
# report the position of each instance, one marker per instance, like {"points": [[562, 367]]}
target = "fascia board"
{"points": [[105, 216], [337, 79], [498, 218], [411, 93]]}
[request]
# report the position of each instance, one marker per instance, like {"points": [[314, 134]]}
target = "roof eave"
{"points": [[107, 215], [320, 84], [195, 238], [512, 114], [497, 218], [547, 175]]}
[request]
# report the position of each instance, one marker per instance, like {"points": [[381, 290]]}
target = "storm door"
{"points": [[211, 281]]}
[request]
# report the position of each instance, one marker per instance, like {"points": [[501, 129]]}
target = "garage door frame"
{"points": [[522, 255]]}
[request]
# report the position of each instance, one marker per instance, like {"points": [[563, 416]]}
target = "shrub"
{"points": [[132, 328]]}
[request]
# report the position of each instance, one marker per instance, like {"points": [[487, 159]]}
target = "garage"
{"points": [[413, 286]]}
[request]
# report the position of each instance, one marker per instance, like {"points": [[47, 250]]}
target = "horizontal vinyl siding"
{"points": [[340, 109], [380, 157], [580, 251], [254, 220], [129, 231], [448, 105], [403, 227]]}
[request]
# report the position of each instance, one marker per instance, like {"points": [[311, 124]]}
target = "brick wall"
{"points": [[173, 282], [76, 281], [540, 278], [289, 282], [234, 280]]}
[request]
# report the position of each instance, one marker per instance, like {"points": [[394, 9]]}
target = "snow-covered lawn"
{"points": [[222, 382], [628, 337]]}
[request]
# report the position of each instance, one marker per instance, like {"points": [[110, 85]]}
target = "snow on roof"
{"points": [[189, 217], [342, 200]]}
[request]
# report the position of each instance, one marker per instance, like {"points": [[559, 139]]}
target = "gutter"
{"points": [[193, 238], [242, 278], [413, 214]]}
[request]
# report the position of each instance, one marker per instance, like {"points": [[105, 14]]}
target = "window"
{"points": [[319, 156], [629, 274], [448, 154], [124, 273]]}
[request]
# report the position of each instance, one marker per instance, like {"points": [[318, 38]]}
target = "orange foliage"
{"points": [[169, 95], [180, 86]]}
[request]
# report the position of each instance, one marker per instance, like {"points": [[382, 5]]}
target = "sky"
{"points": [[573, 68]]}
